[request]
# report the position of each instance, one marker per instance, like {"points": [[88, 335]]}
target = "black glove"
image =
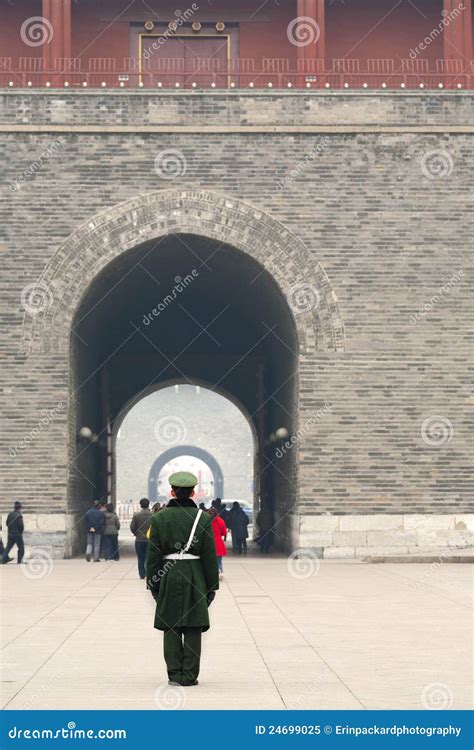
{"points": [[210, 597]]}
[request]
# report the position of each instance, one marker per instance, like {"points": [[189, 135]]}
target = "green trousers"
{"points": [[182, 650]]}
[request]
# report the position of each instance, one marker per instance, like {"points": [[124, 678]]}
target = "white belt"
{"points": [[179, 556], [184, 554]]}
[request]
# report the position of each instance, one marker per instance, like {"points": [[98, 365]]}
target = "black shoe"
{"points": [[175, 684], [88, 558], [96, 560], [189, 683]]}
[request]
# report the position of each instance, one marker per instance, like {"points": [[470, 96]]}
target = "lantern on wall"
{"points": [[220, 26], [149, 25]]}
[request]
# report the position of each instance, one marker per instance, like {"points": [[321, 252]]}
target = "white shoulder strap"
{"points": [[191, 536]]}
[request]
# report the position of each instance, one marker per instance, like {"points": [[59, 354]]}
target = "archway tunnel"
{"points": [[157, 488], [185, 308]]}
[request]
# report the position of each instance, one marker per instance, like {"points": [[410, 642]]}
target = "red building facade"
{"points": [[301, 43]]}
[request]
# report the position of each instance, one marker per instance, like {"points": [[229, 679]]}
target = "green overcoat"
{"points": [[180, 587]]}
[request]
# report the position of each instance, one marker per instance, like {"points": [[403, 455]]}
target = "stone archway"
{"points": [[113, 232], [185, 450], [253, 244]]}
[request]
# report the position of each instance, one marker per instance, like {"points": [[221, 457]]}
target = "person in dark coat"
{"points": [[95, 523], [183, 577], [238, 523], [15, 528], [110, 547], [139, 527]]}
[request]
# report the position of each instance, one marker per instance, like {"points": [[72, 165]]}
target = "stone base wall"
{"points": [[55, 534], [348, 537], [331, 537]]}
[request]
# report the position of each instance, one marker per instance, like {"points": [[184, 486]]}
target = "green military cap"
{"points": [[183, 479]]}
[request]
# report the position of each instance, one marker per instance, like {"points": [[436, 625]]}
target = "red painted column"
{"points": [[67, 28], [57, 23], [312, 31], [57, 15], [458, 31], [46, 50]]}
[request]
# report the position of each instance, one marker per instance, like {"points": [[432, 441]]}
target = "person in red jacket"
{"points": [[220, 533]]}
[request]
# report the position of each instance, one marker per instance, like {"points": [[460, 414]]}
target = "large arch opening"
{"points": [[187, 458], [184, 309], [183, 427]]}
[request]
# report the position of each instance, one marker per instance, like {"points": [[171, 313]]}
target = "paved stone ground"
{"points": [[349, 636]]}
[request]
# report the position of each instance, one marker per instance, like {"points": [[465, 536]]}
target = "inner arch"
{"points": [[185, 450]]}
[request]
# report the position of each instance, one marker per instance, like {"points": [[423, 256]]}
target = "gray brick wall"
{"points": [[378, 187]]}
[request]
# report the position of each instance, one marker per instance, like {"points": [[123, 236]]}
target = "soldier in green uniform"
{"points": [[183, 577]]}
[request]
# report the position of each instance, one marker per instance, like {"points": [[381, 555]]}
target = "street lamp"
{"points": [[85, 433]]}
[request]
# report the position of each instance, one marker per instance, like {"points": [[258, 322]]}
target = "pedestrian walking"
{"points": [[220, 535], [95, 523], [110, 546], [183, 577], [139, 527], [15, 527], [238, 523]]}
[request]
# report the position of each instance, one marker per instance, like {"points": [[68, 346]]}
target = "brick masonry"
{"points": [[368, 197]]}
